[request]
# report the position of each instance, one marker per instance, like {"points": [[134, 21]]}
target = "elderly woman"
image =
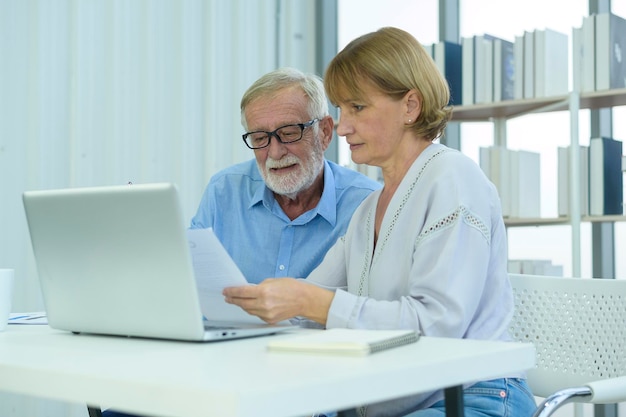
{"points": [[428, 251]]}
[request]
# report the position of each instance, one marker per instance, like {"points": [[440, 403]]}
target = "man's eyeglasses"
{"points": [[284, 134]]}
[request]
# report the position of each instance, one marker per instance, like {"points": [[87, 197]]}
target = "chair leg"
{"points": [[94, 411]]}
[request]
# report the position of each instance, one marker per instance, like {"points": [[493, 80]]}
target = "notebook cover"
{"points": [[347, 342]]}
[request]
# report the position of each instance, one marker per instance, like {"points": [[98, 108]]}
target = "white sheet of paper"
{"points": [[215, 270]]}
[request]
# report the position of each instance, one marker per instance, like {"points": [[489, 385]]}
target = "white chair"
{"points": [[578, 327]]}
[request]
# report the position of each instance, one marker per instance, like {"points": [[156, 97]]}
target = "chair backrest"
{"points": [[578, 327]]}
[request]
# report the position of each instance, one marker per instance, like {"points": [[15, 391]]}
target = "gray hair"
{"points": [[281, 78]]}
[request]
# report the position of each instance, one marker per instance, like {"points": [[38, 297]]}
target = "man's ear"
{"points": [[327, 125], [413, 105]]}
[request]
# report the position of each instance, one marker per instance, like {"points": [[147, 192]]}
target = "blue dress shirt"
{"points": [[260, 237]]}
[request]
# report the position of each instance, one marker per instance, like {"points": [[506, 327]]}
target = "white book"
{"points": [[528, 266], [525, 185], [468, 71], [483, 161], [514, 184], [551, 63], [500, 175], [488, 86], [539, 58], [529, 64], [533, 267], [563, 180], [552, 270], [514, 266], [603, 52], [584, 180], [518, 58], [610, 51], [545, 267], [483, 69], [577, 59], [344, 342], [588, 80]]}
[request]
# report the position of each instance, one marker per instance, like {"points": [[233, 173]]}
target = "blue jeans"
{"points": [[505, 397]]}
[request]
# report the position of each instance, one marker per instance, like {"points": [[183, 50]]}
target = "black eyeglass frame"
{"points": [[274, 133]]}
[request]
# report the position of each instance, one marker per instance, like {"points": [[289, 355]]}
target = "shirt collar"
{"points": [[327, 206]]}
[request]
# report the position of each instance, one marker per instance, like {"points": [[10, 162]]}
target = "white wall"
{"points": [[102, 92], [105, 92]]}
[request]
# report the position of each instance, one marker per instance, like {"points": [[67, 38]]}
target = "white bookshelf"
{"points": [[516, 108], [500, 112]]}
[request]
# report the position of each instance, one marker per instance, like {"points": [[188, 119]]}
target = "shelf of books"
{"points": [[493, 79]]}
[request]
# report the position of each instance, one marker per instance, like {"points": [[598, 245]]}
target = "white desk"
{"points": [[236, 378]]}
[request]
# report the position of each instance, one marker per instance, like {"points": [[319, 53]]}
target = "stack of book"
{"points": [[599, 47], [600, 182], [486, 69], [488, 64], [534, 267], [516, 174], [534, 64]]}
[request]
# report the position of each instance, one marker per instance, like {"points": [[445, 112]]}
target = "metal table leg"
{"points": [[454, 401]]}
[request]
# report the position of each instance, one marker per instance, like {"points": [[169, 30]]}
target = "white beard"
{"points": [[290, 185]]}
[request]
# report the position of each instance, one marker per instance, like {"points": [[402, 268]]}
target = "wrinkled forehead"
{"points": [[272, 110]]}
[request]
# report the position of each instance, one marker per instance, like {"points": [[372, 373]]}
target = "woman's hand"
{"points": [[278, 299]]}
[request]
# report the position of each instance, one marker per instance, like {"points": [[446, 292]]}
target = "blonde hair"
{"points": [[394, 62]]}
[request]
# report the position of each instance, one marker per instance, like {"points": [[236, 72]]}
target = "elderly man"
{"points": [[278, 215]]}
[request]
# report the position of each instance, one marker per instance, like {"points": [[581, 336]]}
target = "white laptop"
{"points": [[115, 260]]}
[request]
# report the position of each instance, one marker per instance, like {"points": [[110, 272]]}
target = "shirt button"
{"points": [[282, 267]]}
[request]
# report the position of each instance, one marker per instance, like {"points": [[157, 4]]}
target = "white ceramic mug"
{"points": [[7, 277]]}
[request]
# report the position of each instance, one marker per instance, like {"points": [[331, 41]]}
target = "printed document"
{"points": [[215, 270]]}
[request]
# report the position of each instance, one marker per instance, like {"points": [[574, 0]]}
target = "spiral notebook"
{"points": [[347, 342]]}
